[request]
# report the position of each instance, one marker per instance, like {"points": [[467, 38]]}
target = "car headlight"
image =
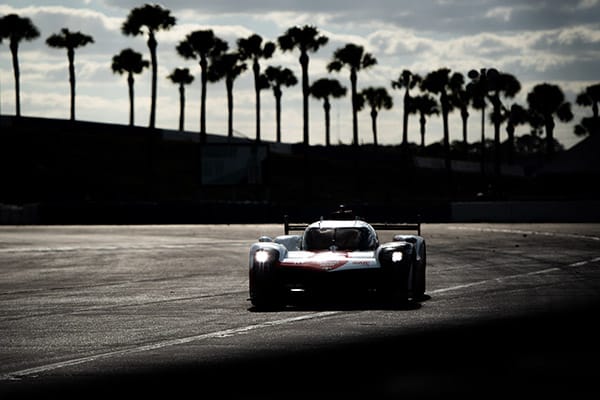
{"points": [[262, 256], [397, 256]]}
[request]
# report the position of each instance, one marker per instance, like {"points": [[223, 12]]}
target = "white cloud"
{"points": [[501, 13], [587, 4]]}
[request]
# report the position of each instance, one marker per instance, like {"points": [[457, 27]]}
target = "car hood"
{"points": [[330, 260]]}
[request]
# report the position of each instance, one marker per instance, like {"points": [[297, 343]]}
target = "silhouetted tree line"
{"points": [[440, 92]]}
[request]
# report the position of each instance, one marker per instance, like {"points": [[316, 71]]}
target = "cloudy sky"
{"points": [[537, 41]]}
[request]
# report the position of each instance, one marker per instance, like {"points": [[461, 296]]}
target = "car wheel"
{"points": [[264, 291], [394, 288], [419, 276]]}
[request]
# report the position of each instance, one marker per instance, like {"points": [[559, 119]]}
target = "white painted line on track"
{"points": [[116, 247], [241, 330], [159, 345], [505, 278], [523, 232]]}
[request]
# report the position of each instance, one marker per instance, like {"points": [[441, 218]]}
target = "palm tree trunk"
{"points": [[496, 103], [354, 107], [131, 105], [483, 140], [464, 114], [203, 81], [256, 70], [305, 93], [422, 121], [327, 109], [152, 46], [71, 57], [277, 92], [445, 110], [14, 49], [374, 125], [181, 106], [229, 86], [497, 148], [405, 118]]}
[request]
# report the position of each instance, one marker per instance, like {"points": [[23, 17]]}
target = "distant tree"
{"points": [[589, 97], [323, 89], [181, 77], [438, 82], [425, 105], [253, 48], [408, 81], [131, 62], [153, 18], [227, 66], [545, 102], [306, 39], [529, 144], [278, 77], [356, 59], [378, 99], [202, 45], [17, 29], [70, 41]]}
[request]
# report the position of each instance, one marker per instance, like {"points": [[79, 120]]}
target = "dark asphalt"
{"points": [[138, 311]]}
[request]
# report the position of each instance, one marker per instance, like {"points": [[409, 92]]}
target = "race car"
{"points": [[337, 256]]}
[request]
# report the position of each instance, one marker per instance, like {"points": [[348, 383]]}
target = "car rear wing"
{"points": [[297, 226], [382, 226], [398, 227]]}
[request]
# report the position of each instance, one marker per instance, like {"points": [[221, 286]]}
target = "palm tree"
{"points": [[153, 18], [276, 78], [228, 66], [516, 115], [461, 98], [355, 58], [438, 82], [16, 29], [425, 105], [546, 101], [325, 88], [252, 48], [377, 98], [181, 77], [129, 61], [499, 85], [306, 39], [590, 96], [406, 80], [202, 45], [477, 89], [70, 41]]}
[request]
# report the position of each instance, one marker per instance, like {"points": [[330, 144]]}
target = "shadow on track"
{"points": [[350, 302], [539, 356]]}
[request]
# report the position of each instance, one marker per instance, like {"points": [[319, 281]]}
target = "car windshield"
{"points": [[337, 239]]}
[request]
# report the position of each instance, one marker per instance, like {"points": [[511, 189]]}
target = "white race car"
{"points": [[337, 256]]}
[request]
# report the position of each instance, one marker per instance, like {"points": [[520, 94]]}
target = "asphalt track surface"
{"points": [[162, 311]]}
